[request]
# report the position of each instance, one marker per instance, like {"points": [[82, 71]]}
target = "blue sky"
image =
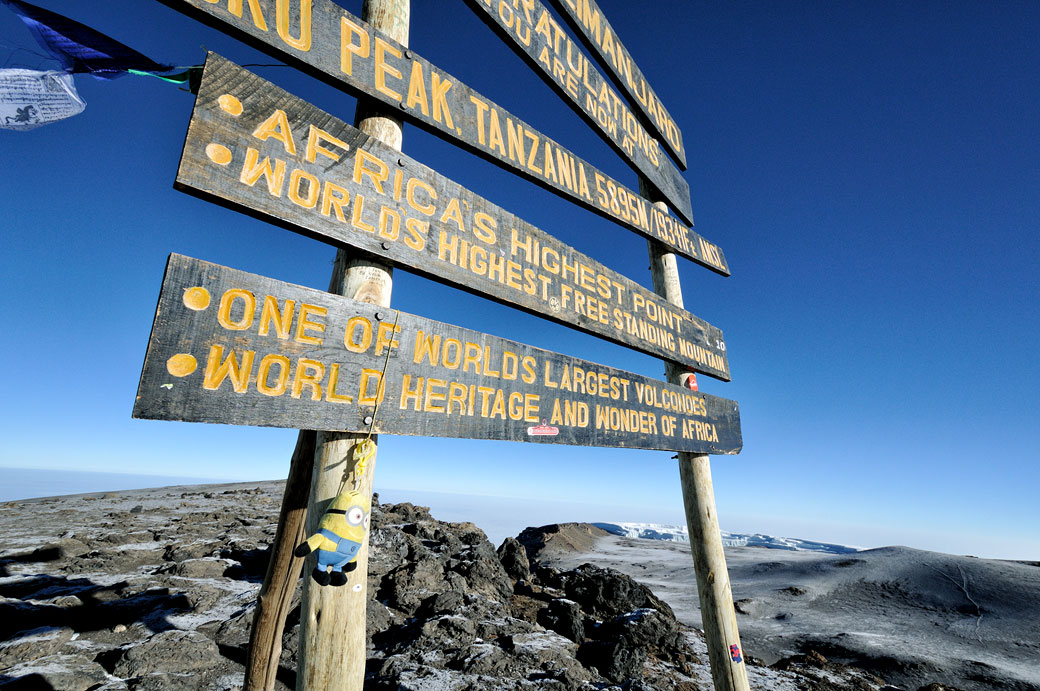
{"points": [[871, 171]]}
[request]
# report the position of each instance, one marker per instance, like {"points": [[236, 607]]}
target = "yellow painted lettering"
{"points": [[385, 337], [417, 89], [441, 112], [309, 374], [409, 394], [331, 394], [354, 341], [219, 369], [303, 41], [365, 397], [276, 127], [382, 68], [310, 200], [303, 324], [433, 399], [316, 137], [372, 167], [334, 198], [347, 47], [253, 169], [263, 375], [271, 315], [453, 212], [228, 299]]}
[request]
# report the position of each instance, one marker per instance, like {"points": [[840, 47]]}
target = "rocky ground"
{"points": [[154, 589], [913, 617]]}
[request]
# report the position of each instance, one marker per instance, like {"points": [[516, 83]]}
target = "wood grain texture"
{"points": [[288, 162], [283, 571], [333, 651], [247, 355], [534, 34], [719, 617], [345, 52], [589, 22]]}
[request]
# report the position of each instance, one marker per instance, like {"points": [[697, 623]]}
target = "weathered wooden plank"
{"points": [[324, 40], [237, 348], [259, 149], [535, 35], [588, 21]]}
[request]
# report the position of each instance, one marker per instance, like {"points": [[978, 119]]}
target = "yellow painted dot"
{"points": [[230, 105], [218, 153], [196, 298], [181, 365]]}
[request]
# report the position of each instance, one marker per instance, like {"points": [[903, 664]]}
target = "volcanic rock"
{"points": [[155, 589]]}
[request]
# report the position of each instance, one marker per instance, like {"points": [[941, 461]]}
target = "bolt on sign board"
{"points": [[329, 43], [261, 150], [236, 348], [535, 35], [588, 21]]}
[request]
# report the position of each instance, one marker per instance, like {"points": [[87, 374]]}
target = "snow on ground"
{"points": [[679, 533], [911, 616]]}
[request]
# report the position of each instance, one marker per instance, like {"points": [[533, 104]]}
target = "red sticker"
{"points": [[543, 430]]}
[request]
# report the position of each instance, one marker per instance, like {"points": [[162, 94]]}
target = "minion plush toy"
{"points": [[339, 537]]}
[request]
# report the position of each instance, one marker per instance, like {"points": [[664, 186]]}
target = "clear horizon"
{"points": [[502, 516]]}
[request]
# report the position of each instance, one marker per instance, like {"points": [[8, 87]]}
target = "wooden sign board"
{"points": [[535, 35], [329, 43], [236, 348], [588, 21], [260, 149]]}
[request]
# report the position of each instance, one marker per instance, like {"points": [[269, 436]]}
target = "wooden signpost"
{"points": [[326, 41], [535, 35], [587, 20], [237, 348], [275, 156]]}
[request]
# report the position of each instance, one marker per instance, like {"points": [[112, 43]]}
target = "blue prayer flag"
{"points": [[80, 48]]}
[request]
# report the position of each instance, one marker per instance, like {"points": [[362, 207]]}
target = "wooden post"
{"points": [[718, 617], [283, 571], [332, 633]]}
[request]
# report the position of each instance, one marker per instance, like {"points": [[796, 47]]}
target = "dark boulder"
{"points": [[514, 559]]}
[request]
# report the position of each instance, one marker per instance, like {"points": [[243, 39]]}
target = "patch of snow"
{"points": [[238, 600], [228, 682], [541, 640], [44, 633], [680, 533], [637, 614], [131, 546]]}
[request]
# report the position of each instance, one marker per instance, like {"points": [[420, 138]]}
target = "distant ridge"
{"points": [[678, 533]]}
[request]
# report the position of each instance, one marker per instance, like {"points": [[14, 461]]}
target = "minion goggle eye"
{"points": [[355, 516]]}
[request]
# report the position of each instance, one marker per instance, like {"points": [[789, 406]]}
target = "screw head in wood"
{"points": [[385, 245], [379, 316], [368, 419]]}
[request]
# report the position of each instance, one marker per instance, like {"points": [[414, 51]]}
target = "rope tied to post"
{"points": [[366, 449]]}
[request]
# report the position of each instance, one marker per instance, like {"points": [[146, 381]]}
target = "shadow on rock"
{"points": [[41, 554], [82, 605]]}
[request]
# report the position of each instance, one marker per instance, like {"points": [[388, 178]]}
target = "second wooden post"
{"points": [[718, 617]]}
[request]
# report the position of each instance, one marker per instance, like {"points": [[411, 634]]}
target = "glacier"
{"points": [[679, 533]]}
